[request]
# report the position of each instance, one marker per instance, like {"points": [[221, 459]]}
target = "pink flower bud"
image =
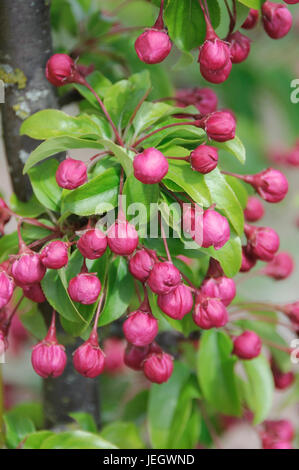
{"points": [[282, 380], [28, 269], [280, 267], [153, 46], [204, 158], [251, 19], [92, 244], [271, 184], [216, 231], [239, 47], [4, 215], [114, 355], [150, 166], [71, 174], [204, 99], [291, 2], [209, 313], [263, 242], [277, 19], [122, 238], [214, 54], [61, 69], [134, 356], [141, 264], [222, 287], [6, 288], [248, 261], [248, 345], [292, 311], [220, 126], [177, 303], [140, 328], [279, 445], [280, 430], [158, 367], [192, 221], [254, 210], [89, 359], [164, 278], [55, 255], [84, 288], [216, 76], [48, 357], [34, 293]]}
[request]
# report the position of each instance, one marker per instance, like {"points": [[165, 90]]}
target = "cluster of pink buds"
{"points": [[277, 434]]}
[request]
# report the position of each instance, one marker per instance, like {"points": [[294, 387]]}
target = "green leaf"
{"points": [[255, 4], [17, 428], [225, 199], [123, 435], [149, 114], [138, 193], [176, 135], [34, 322], [185, 22], [28, 410], [45, 187], [229, 256], [32, 208], [99, 83], [162, 405], [53, 123], [95, 197], [36, 439], [124, 157], [239, 190], [58, 144], [76, 440], [119, 291], [215, 371], [234, 146], [85, 421], [122, 98], [136, 408], [192, 182], [259, 388]]}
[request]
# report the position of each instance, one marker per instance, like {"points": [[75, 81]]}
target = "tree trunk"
{"points": [[25, 46]]}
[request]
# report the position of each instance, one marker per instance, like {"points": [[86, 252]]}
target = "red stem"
{"points": [[164, 239], [159, 24], [51, 335]]}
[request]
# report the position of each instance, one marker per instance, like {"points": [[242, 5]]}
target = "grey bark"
{"points": [[25, 45]]}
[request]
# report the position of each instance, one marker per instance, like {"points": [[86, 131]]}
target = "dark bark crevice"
{"points": [[25, 46]]}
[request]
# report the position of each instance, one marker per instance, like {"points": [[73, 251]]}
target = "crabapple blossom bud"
{"points": [[248, 261], [141, 264], [263, 242], [239, 47], [277, 19], [122, 238], [158, 367], [84, 288], [280, 267], [34, 293], [280, 430], [279, 445], [292, 311], [4, 215], [254, 210], [248, 345], [282, 380], [71, 173], [251, 19], [220, 126], [55, 255], [140, 328], [209, 313], [204, 99], [89, 359], [217, 76], [6, 288], [164, 278], [214, 54], [134, 356], [48, 358], [61, 69], [92, 244], [223, 288], [204, 158], [114, 355], [270, 184], [177, 303], [216, 231], [28, 269], [192, 221], [150, 166], [153, 46]]}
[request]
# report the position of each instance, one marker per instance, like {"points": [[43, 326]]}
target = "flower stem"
{"points": [[188, 123], [159, 24], [164, 239]]}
